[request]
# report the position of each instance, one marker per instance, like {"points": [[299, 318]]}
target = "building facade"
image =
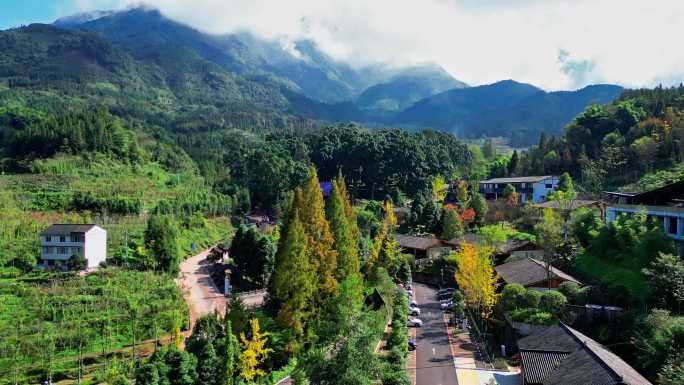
{"points": [[664, 204], [59, 242], [529, 188]]}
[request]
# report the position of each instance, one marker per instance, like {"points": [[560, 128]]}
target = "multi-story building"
{"points": [[60, 242], [529, 188], [666, 204]]}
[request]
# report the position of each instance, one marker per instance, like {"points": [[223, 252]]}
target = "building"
{"points": [[531, 273], [529, 188], [59, 242], [561, 355], [666, 204], [512, 247], [422, 247]]}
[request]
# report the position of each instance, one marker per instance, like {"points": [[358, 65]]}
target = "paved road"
{"points": [[434, 362]]}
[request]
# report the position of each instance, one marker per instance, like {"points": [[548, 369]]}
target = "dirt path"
{"points": [[198, 289]]}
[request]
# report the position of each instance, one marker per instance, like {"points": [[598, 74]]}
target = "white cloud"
{"points": [[628, 42]]}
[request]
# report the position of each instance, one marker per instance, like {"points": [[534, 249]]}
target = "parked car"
{"points": [[412, 345], [414, 322], [414, 310], [446, 305], [447, 290], [413, 303]]}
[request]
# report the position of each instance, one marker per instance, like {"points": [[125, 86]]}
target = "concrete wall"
{"points": [[95, 246], [540, 190]]}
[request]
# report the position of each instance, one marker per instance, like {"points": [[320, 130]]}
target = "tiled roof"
{"points": [[519, 179], [63, 228], [561, 355], [418, 243], [528, 271]]}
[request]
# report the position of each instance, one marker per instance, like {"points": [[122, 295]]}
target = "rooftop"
{"points": [[66, 228], [418, 243], [562, 355], [529, 271], [517, 179]]}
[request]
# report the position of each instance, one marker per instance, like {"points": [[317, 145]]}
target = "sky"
{"points": [[554, 44]]}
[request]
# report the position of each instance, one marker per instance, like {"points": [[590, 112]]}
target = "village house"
{"points": [[422, 247], [561, 355], [512, 247], [59, 242], [529, 188], [666, 204], [531, 273], [572, 206]]}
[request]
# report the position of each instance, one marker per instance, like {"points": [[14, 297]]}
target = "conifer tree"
{"points": [[294, 278], [345, 244], [309, 203], [232, 354], [348, 207]]}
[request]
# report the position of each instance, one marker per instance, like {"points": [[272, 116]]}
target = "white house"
{"points": [[529, 188], [60, 242]]}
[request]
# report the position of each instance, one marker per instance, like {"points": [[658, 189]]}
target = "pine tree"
{"points": [[348, 207], [345, 244], [309, 203], [294, 278], [232, 354], [452, 226]]}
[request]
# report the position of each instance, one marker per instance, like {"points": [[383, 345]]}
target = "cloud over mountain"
{"points": [[628, 42]]}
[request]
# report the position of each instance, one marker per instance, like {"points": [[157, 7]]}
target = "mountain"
{"points": [[407, 87], [241, 80], [510, 109]]}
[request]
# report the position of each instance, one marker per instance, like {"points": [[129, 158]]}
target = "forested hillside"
{"points": [[640, 135]]}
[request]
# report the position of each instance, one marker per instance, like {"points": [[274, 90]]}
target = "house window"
{"points": [[522, 185], [62, 250], [549, 185], [62, 238], [672, 225]]}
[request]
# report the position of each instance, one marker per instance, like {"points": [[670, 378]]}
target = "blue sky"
{"points": [[17, 12]]}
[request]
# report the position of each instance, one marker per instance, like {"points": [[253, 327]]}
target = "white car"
{"points": [[413, 303], [414, 322], [446, 305], [414, 310]]}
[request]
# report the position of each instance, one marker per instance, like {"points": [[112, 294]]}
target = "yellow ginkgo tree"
{"points": [[476, 278], [254, 352]]}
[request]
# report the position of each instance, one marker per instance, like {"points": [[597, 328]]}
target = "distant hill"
{"points": [[407, 87], [510, 109], [239, 80]]}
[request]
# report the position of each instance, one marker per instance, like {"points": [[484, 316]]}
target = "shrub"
{"points": [[570, 290], [513, 296], [541, 318], [552, 302], [531, 299]]}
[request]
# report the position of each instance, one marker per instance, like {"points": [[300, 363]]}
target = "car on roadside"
{"points": [[414, 310], [446, 305], [414, 322], [446, 290], [412, 345], [413, 303]]}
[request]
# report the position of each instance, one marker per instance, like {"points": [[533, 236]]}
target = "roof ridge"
{"points": [[583, 344]]}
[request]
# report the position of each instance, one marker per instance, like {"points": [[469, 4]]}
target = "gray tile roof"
{"points": [[66, 228], [561, 355], [529, 271], [418, 243]]}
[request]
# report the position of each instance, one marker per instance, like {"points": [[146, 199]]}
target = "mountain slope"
{"points": [[407, 87], [513, 110]]}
